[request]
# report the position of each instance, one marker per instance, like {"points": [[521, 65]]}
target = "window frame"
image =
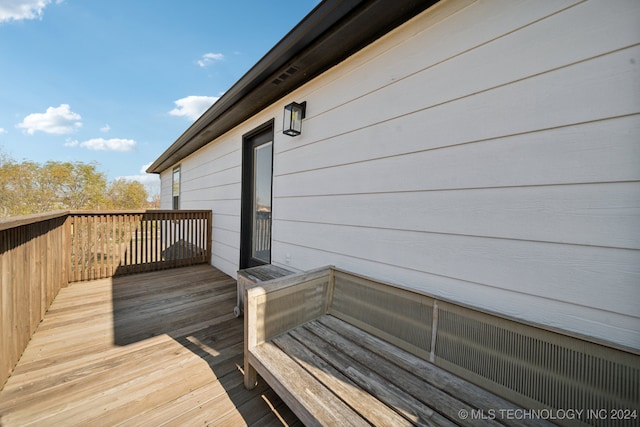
{"points": [[175, 193]]}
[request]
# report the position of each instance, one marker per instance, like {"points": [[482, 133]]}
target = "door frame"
{"points": [[255, 137]]}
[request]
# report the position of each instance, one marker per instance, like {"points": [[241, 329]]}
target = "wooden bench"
{"points": [[343, 349]]}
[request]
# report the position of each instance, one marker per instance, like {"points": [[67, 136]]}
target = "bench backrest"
{"points": [[528, 365], [289, 302], [400, 317]]}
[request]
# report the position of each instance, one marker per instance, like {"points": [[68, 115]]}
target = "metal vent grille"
{"points": [[399, 316], [536, 368], [285, 75], [302, 304]]}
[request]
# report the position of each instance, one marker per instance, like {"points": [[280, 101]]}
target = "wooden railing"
{"points": [[42, 253], [262, 233], [34, 263], [105, 244]]}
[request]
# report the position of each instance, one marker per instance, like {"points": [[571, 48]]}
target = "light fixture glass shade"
{"points": [[293, 115]]}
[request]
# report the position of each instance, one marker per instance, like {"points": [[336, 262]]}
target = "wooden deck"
{"points": [[152, 349]]}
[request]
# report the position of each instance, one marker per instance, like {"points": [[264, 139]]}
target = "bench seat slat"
{"points": [[313, 403], [390, 383], [362, 402], [466, 392]]}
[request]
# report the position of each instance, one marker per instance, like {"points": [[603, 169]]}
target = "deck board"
{"points": [[158, 348]]}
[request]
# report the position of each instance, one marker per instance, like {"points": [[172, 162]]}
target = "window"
{"points": [[175, 188]]}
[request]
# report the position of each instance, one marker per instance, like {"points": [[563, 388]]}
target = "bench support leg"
{"points": [[250, 376]]}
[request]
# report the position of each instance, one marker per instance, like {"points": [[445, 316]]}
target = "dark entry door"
{"points": [[257, 175]]}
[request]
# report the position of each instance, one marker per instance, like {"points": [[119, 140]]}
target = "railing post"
{"points": [[209, 228], [66, 240]]}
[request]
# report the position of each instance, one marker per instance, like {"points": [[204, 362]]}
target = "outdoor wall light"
{"points": [[293, 115]]}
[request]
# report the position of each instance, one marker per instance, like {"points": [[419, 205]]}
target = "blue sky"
{"points": [[118, 81]]}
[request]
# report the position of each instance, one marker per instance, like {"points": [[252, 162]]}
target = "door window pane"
{"points": [[262, 172]]}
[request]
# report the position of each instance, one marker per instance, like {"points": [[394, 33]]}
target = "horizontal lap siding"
{"points": [[165, 189], [484, 152]]}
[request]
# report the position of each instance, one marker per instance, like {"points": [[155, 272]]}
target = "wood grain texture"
{"points": [[34, 259], [314, 403], [384, 385], [362, 402], [158, 348], [343, 352], [427, 372]]}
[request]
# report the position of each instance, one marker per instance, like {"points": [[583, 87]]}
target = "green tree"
{"points": [[77, 185], [125, 194], [24, 191], [29, 188]]}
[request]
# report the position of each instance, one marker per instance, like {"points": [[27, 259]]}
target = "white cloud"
{"points": [[101, 144], [56, 120], [105, 128], [146, 179], [2, 130], [113, 144], [192, 107], [209, 58], [18, 10]]}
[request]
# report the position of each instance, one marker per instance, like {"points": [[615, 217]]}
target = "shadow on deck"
{"points": [[153, 349]]}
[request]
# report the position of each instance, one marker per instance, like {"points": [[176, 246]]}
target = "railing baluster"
{"points": [[143, 228], [104, 225], [155, 239], [171, 238], [141, 238], [96, 250], [136, 245], [100, 255], [129, 253], [83, 256], [146, 242], [190, 235], [116, 243], [110, 245], [77, 273]]}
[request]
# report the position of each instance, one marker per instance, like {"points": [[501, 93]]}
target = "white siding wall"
{"points": [[166, 189], [486, 152]]}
